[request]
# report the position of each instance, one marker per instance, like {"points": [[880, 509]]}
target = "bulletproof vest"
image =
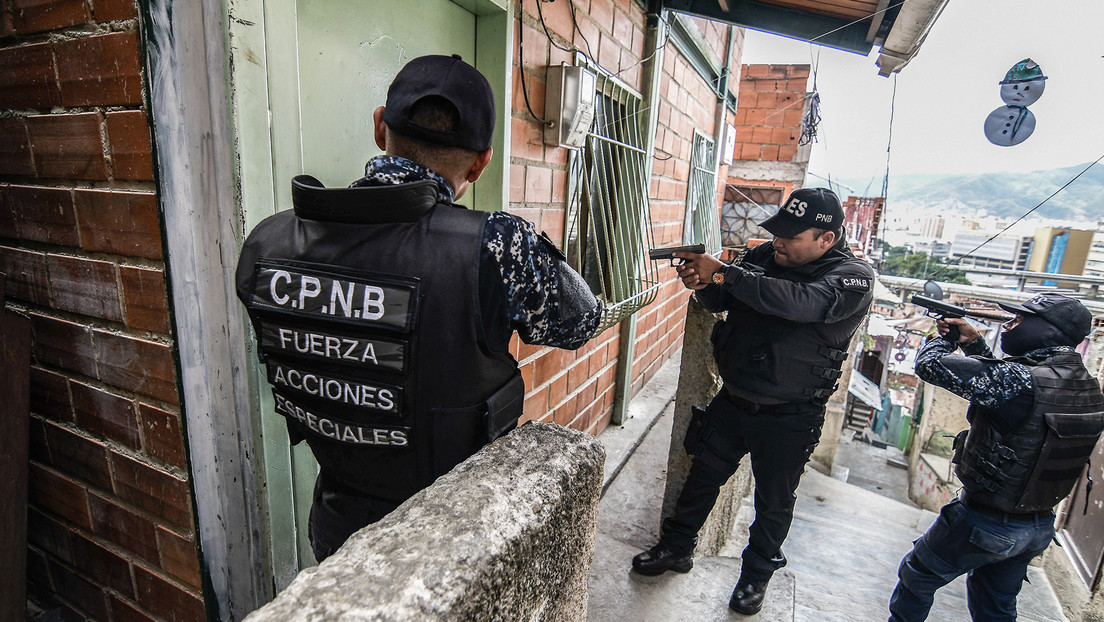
{"points": [[773, 357], [365, 305], [1032, 467]]}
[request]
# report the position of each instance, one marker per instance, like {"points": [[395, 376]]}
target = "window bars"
{"points": [[703, 220], [608, 216]]}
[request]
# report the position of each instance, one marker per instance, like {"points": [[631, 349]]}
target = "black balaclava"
{"points": [[1031, 334]]}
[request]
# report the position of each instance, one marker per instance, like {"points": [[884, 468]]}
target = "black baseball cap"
{"points": [[453, 80], [806, 208], [1067, 314]]}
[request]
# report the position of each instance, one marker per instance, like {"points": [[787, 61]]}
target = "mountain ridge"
{"points": [[1008, 195]]}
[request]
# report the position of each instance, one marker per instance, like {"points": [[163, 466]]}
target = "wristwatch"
{"points": [[718, 277]]}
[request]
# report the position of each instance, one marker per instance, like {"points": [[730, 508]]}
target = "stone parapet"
{"points": [[506, 535]]}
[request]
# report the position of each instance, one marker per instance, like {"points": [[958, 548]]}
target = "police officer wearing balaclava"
{"points": [[1035, 417], [384, 311], [793, 305]]}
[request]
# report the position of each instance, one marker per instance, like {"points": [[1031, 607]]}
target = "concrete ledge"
{"points": [[506, 535]]}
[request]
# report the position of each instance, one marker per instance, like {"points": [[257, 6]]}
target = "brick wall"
{"points": [[771, 106], [111, 532], [577, 389]]}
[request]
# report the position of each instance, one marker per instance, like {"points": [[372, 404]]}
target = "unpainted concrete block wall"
{"points": [[507, 535]]}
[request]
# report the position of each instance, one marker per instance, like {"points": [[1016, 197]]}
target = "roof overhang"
{"points": [[898, 26]]}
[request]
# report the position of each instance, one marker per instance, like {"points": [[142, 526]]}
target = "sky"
{"points": [[948, 89]]}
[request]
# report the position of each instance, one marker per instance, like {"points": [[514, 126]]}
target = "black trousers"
{"points": [[780, 440], [335, 515]]}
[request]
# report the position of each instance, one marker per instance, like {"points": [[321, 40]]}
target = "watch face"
{"points": [[718, 277]]}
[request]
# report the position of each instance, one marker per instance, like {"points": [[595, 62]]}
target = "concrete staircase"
{"points": [[844, 546]]}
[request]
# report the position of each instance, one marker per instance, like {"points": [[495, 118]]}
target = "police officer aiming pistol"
{"points": [[384, 311], [1035, 417], [793, 305]]}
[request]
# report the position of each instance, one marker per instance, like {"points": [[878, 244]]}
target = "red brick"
{"points": [[622, 28], [63, 344], [106, 414], [102, 70], [68, 146], [103, 566], [27, 78], [80, 457], [82, 593], [6, 29], [145, 298], [15, 148], [59, 495], [517, 183], [548, 365], [49, 535], [161, 436], [179, 557], [50, 395], [36, 441], [526, 138], [126, 223], [27, 277], [123, 527], [112, 10], [124, 611], [128, 137], [536, 405], [85, 286], [166, 599], [44, 214], [155, 491], [42, 15], [116, 358], [538, 184]]}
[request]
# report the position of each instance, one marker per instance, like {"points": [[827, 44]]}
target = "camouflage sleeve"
{"points": [[982, 380], [548, 303]]}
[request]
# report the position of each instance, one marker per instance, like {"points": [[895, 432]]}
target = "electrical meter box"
{"points": [[568, 105]]}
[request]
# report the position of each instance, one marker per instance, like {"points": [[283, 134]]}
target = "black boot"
{"points": [[747, 598], [661, 558]]}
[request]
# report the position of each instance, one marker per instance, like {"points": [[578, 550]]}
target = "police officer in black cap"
{"points": [[1035, 417], [384, 311], [793, 305]]}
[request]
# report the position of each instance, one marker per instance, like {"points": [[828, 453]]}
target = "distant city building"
{"points": [[1094, 263], [863, 217], [1060, 251], [932, 227], [1005, 252], [934, 248]]}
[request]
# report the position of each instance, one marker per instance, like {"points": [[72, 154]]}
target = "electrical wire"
{"points": [[521, 70]]}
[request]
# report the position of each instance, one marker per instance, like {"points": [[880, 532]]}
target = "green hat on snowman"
{"points": [[1024, 71]]}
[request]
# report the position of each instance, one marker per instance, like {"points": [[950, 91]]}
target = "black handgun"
{"points": [[941, 311], [666, 253]]}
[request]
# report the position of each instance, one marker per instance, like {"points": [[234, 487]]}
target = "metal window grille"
{"points": [[743, 209], [608, 215], [703, 220]]}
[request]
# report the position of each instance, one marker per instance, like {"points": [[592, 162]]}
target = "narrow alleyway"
{"points": [[844, 547]]}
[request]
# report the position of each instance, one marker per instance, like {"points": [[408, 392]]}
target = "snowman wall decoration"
{"points": [[1022, 86]]}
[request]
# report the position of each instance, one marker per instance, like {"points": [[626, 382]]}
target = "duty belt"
{"points": [[786, 408], [995, 513]]}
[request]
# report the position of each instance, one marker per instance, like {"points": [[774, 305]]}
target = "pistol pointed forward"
{"points": [[941, 311], [668, 253]]}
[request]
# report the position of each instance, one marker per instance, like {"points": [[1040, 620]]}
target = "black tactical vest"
{"points": [[1031, 468], [366, 310], [768, 356]]}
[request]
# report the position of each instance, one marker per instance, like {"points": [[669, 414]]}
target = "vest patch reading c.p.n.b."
{"points": [[332, 347], [334, 389], [313, 294], [341, 430], [857, 283]]}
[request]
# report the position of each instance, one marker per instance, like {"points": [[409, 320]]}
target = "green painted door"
{"points": [[307, 76]]}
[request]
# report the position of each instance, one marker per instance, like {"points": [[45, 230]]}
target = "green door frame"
{"points": [[265, 110]]}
